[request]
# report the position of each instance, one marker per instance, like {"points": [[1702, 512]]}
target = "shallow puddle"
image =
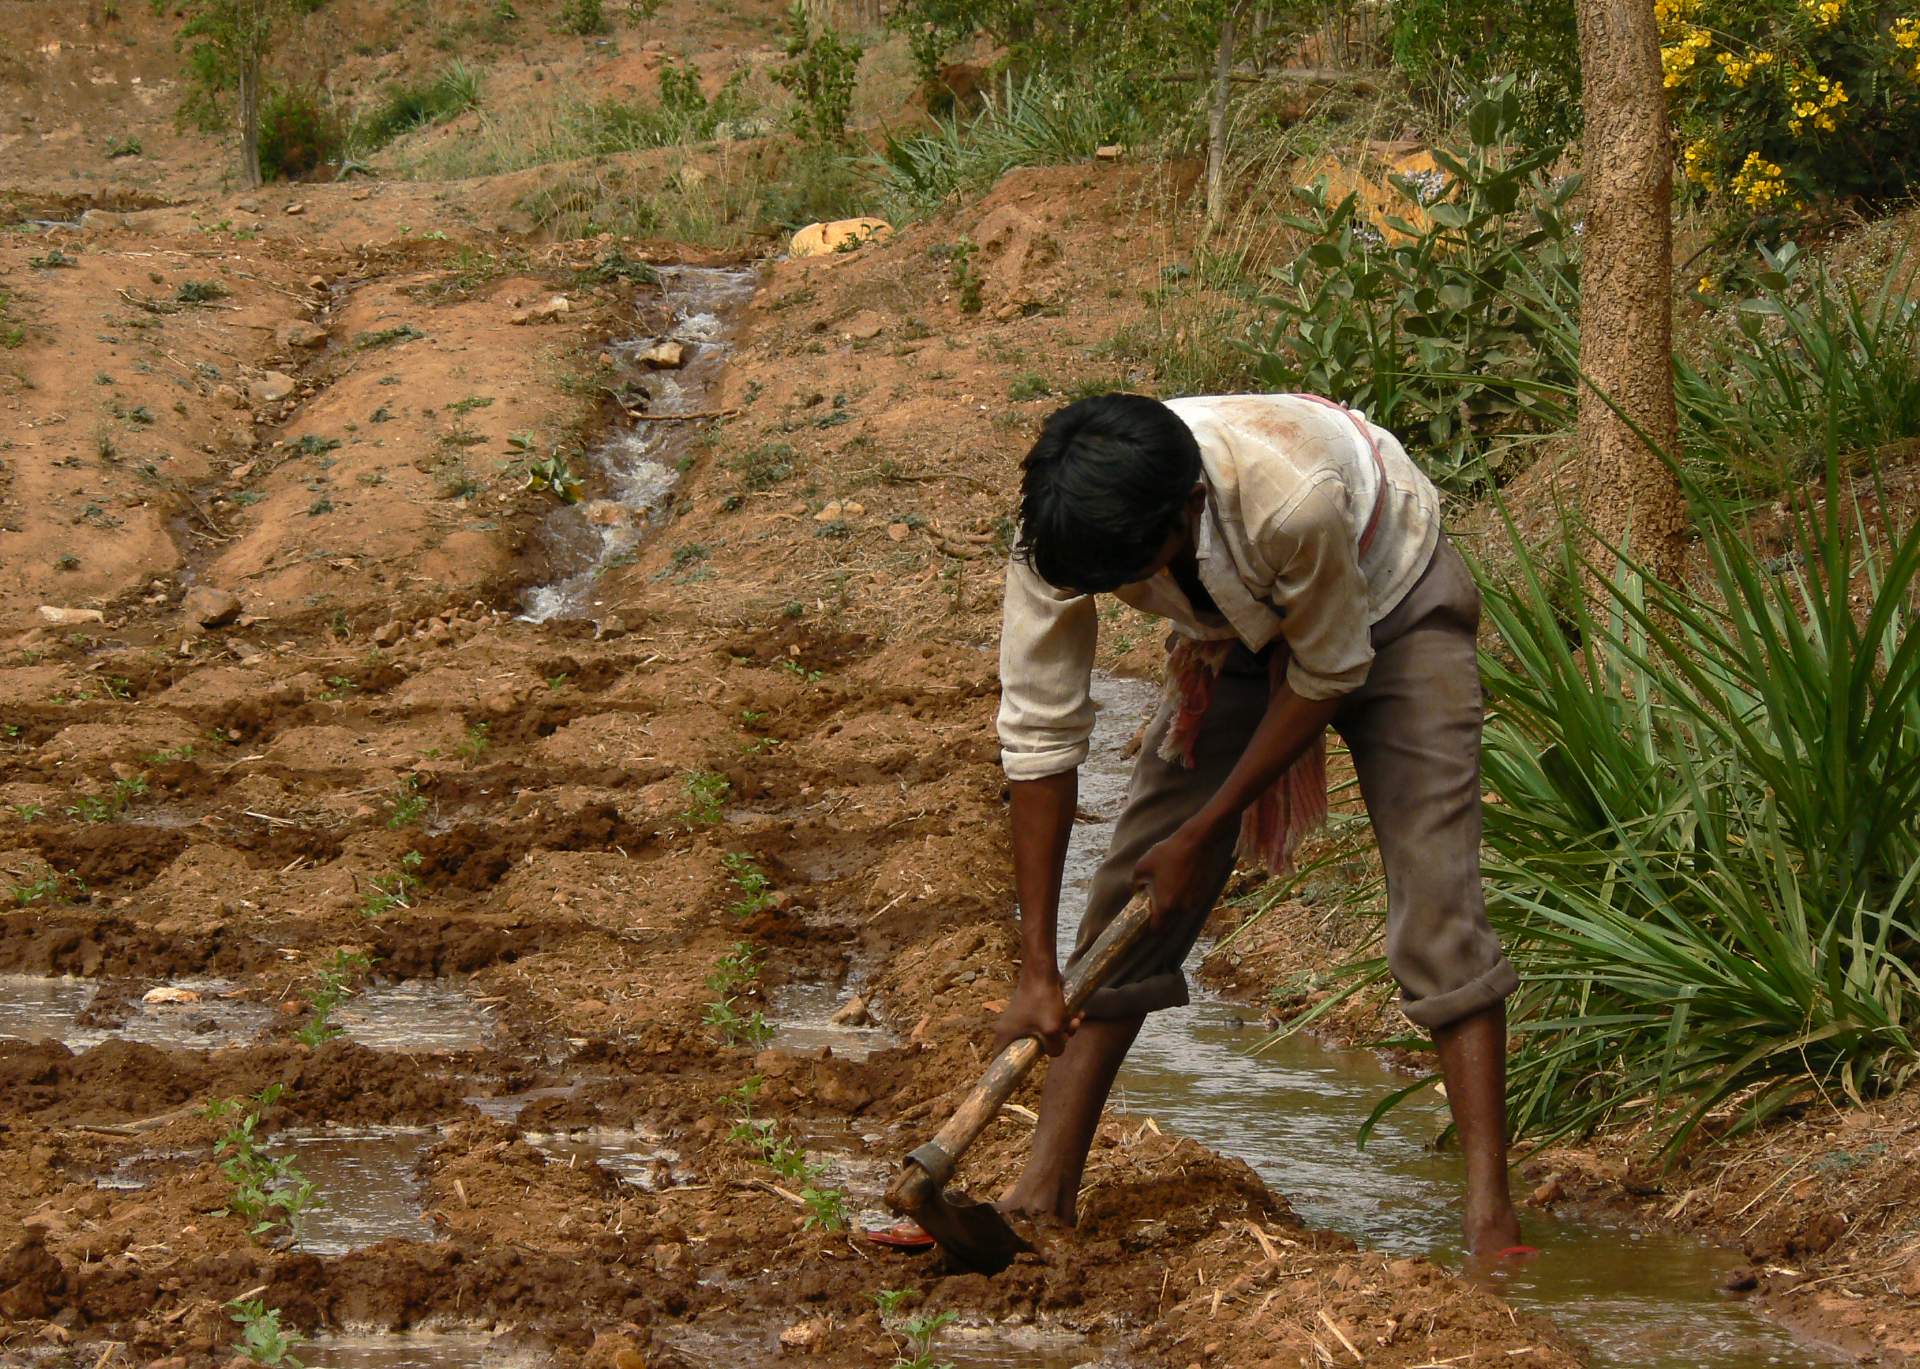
{"points": [[632, 1157], [367, 1176], [417, 1350], [33, 1008], [1635, 1298], [802, 1015], [414, 1016], [736, 1342], [506, 1107]]}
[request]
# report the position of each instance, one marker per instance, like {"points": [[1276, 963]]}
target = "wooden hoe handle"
{"points": [[941, 1155]]}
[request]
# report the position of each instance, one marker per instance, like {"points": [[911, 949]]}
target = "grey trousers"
{"points": [[1414, 733]]}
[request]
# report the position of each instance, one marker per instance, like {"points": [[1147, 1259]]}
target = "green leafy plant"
{"points": [[300, 132], [54, 259], [451, 92], [407, 807], [756, 890], [826, 1208], [474, 745], [262, 1339], [122, 147], [918, 1332], [820, 70], [555, 476], [394, 890], [28, 812], [707, 793], [386, 337], [200, 292], [583, 17], [335, 987], [270, 1195], [111, 805], [48, 887], [965, 280], [1442, 324]]}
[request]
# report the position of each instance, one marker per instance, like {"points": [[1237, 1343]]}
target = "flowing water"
{"points": [[640, 462], [369, 1177], [1634, 1298]]}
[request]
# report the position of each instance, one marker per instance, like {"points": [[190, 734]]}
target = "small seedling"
{"points": [[183, 752], [200, 291], [754, 886], [738, 969], [122, 147], [338, 686], [826, 1208], [965, 280], [262, 1339], [28, 812], [270, 1195], [336, 978], [408, 806], [555, 476], [45, 889], [555, 681], [395, 890], [474, 745], [921, 1332], [707, 794], [106, 807], [737, 1028], [52, 261]]}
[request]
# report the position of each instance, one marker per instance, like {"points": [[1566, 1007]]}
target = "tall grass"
{"points": [[1029, 122], [1809, 355], [453, 91]]}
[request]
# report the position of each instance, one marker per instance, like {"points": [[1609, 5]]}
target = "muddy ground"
{"points": [[321, 401]]}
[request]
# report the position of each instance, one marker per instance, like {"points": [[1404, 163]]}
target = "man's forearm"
{"points": [[1291, 724], [1041, 815]]}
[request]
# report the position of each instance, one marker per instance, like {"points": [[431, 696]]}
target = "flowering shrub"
{"points": [[1778, 104]]}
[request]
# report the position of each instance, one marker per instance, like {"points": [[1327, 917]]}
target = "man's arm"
{"points": [[1041, 814]]}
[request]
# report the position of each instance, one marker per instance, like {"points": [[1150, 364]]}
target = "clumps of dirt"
{"points": [[124, 1081], [69, 942], [108, 856], [475, 856]]}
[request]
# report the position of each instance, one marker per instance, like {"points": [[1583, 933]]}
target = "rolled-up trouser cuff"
{"points": [[1141, 996], [1484, 990]]}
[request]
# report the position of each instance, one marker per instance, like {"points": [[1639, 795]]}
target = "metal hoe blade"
{"points": [[973, 1234]]}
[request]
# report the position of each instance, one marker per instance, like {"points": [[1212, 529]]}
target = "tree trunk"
{"points": [[1217, 122], [250, 124], [1627, 493]]}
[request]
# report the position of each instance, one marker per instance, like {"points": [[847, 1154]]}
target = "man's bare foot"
{"points": [[1491, 1232]]}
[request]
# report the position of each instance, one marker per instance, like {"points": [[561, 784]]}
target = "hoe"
{"points": [[974, 1234]]}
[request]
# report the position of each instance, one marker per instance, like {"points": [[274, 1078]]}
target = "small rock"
{"points": [[852, 1013], [865, 327], [832, 511], [290, 1007], [294, 209], [806, 1336], [898, 531], [211, 606], [554, 308], [1548, 1193], [665, 355], [300, 333], [389, 632], [68, 617], [854, 508], [1109, 152], [606, 513], [167, 993], [1742, 1280], [842, 235], [271, 387], [317, 284], [231, 395]]}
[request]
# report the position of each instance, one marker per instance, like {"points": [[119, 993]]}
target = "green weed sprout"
{"points": [[826, 1208], [707, 793], [270, 1195], [334, 990], [752, 882], [409, 806], [395, 890], [262, 1339]]}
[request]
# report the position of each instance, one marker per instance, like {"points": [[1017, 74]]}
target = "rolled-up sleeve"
{"points": [[1047, 639], [1320, 592]]}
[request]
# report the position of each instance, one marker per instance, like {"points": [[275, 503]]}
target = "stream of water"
{"points": [[1635, 1298]]}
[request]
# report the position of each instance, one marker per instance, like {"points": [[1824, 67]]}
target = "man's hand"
{"points": [[1038, 1009], [1170, 873]]}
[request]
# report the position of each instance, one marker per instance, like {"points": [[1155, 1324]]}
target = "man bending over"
{"points": [[1298, 555]]}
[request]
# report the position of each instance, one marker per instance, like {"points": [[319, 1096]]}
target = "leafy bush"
{"points": [[1440, 45], [1810, 362], [821, 69], [449, 94], [584, 17], [1779, 103], [1445, 324], [1700, 845], [300, 132]]}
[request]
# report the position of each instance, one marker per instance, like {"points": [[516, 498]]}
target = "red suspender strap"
{"points": [[1379, 465]]}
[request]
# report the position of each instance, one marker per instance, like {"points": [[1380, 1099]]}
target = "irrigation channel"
{"points": [[1634, 1297]]}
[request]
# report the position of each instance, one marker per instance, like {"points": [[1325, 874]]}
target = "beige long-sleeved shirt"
{"points": [[1290, 487]]}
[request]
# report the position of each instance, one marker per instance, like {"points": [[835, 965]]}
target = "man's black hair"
{"points": [[1103, 489]]}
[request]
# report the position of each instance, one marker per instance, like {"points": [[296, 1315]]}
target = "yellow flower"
{"points": [[1906, 33], [1697, 160], [1824, 13], [1761, 183], [1677, 59], [1706, 285]]}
